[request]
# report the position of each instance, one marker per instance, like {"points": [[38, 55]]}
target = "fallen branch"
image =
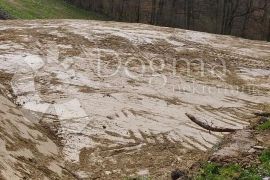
{"points": [[210, 128]]}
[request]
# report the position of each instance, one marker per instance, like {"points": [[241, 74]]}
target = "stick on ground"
{"points": [[210, 128]]}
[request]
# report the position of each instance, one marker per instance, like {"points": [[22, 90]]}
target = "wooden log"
{"points": [[208, 127]]}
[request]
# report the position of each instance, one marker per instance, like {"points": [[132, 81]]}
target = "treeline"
{"points": [[244, 18]]}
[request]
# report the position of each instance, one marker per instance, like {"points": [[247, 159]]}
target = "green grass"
{"points": [[138, 178], [264, 126], [212, 171], [45, 9]]}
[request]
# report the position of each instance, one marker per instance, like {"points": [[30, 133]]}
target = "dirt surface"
{"points": [[113, 96], [26, 149], [236, 148]]}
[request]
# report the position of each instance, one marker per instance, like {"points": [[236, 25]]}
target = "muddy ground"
{"points": [[113, 96]]}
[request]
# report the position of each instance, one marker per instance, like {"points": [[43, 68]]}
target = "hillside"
{"points": [[44, 9], [110, 98]]}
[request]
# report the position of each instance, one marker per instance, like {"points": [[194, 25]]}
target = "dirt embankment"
{"points": [[27, 150], [132, 122]]}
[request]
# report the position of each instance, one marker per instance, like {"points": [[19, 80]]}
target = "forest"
{"points": [[243, 18]]}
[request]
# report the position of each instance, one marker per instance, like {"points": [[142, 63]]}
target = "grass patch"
{"points": [[46, 9], [264, 126], [213, 171], [138, 178]]}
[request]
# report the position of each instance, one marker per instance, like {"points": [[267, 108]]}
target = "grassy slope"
{"points": [[45, 9]]}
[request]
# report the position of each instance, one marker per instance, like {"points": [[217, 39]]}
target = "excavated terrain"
{"points": [[107, 100]]}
